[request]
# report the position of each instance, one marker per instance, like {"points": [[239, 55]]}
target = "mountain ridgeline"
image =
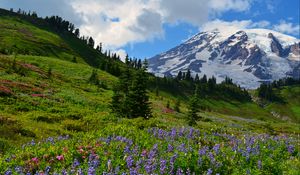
{"points": [[249, 57]]}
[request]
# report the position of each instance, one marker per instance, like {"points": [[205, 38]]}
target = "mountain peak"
{"points": [[248, 56]]}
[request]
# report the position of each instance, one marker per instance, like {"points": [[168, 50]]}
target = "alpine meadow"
{"points": [[76, 100]]}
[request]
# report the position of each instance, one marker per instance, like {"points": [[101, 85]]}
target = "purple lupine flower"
{"points": [[216, 148], [170, 148], [182, 148], [190, 135], [138, 164], [173, 133], [203, 151], [32, 143], [181, 132], [259, 164], [172, 162], [91, 171], [291, 149], [199, 162], [248, 149], [163, 166], [133, 172], [209, 171], [64, 172], [188, 172], [80, 172], [211, 157], [8, 172], [160, 133], [129, 161], [127, 149], [18, 169], [47, 170], [179, 172], [76, 163]]}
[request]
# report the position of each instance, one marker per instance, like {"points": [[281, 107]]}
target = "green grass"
{"points": [[19, 36]]}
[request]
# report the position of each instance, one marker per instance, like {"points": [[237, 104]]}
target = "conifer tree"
{"points": [[193, 109], [179, 76]]}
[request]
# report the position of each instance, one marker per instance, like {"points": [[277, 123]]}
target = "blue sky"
{"points": [[144, 28]]}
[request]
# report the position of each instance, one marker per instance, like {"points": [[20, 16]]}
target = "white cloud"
{"points": [[287, 27], [122, 53], [226, 26], [120, 22]]}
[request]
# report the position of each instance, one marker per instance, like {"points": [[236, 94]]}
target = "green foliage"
{"points": [[131, 98], [177, 106], [193, 109]]}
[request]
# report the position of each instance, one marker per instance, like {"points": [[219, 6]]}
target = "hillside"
{"points": [[22, 34], [54, 118]]}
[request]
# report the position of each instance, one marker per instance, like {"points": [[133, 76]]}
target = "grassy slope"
{"points": [[290, 109], [32, 36], [70, 102]]}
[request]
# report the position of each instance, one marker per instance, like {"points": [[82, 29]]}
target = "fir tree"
{"points": [[193, 109], [179, 76], [137, 100]]}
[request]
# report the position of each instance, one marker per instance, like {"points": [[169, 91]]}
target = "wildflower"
{"points": [[163, 164], [18, 169], [211, 157], [173, 133], [179, 172], [60, 157], [138, 165], [76, 163], [64, 172], [216, 148], [35, 160], [8, 172], [144, 153], [129, 161], [209, 171], [170, 148], [202, 151], [190, 135], [47, 170], [291, 149], [259, 164], [91, 171]]}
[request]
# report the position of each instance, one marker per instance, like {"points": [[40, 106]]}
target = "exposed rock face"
{"points": [[249, 57], [295, 49]]}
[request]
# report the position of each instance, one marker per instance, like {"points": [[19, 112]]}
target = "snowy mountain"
{"points": [[249, 56]]}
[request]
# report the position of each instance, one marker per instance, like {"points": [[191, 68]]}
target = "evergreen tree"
{"points": [[188, 76], [203, 79], [74, 60], [193, 109], [94, 78], [197, 80], [91, 42], [137, 100], [179, 76], [127, 60], [77, 33]]}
